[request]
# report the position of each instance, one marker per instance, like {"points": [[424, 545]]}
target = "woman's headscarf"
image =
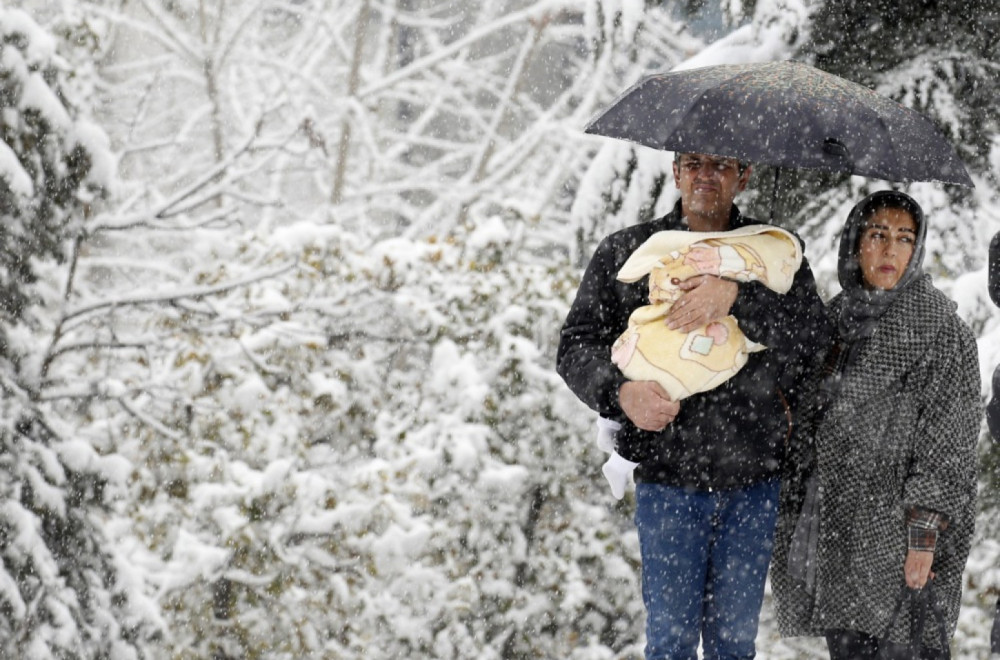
{"points": [[862, 306]]}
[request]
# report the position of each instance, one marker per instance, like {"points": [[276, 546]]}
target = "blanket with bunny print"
{"points": [[686, 363]]}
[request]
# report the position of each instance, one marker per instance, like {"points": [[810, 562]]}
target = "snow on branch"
{"points": [[192, 292]]}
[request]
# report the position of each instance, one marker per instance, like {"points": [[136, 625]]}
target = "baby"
{"points": [[697, 361]]}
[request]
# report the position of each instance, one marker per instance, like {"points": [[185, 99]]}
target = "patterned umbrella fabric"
{"points": [[785, 114]]}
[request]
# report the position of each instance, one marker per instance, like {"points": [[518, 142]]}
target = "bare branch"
{"points": [[151, 422], [194, 292], [533, 13]]}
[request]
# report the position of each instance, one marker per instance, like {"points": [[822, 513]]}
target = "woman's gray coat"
{"points": [[902, 431]]}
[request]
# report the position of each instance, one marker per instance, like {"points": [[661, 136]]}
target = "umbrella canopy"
{"points": [[785, 114]]}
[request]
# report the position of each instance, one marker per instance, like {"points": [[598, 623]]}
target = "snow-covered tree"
{"points": [[319, 319], [64, 588], [938, 59]]}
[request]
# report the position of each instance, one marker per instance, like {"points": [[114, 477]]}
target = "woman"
{"points": [[881, 485]]}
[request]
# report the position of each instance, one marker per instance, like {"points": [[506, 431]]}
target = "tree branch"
{"points": [[194, 292]]}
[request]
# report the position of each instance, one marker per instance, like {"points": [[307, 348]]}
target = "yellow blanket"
{"points": [[686, 363]]}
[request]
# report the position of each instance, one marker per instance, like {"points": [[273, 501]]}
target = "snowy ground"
{"points": [[970, 642], [771, 645]]}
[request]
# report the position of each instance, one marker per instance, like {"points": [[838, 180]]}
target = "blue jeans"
{"points": [[704, 563]]}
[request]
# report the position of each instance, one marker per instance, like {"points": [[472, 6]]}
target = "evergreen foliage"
{"points": [[62, 590], [936, 57], [45, 187]]}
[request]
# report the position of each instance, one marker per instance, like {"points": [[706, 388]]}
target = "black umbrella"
{"points": [[785, 114]]}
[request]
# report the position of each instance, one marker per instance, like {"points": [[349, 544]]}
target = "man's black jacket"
{"points": [[731, 436]]}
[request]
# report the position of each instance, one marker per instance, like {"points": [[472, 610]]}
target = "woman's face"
{"points": [[885, 248]]}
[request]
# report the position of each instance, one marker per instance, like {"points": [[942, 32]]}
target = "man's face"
{"points": [[708, 184]]}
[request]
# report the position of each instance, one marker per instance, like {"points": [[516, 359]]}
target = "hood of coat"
{"points": [[848, 267]]}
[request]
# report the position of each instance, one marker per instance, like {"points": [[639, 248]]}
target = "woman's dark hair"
{"points": [[890, 199]]}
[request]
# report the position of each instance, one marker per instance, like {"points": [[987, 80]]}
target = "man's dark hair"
{"points": [[741, 164]]}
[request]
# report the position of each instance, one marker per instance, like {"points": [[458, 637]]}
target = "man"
{"points": [[993, 407], [707, 483]]}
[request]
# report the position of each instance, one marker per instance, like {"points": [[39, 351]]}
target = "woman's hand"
{"points": [[917, 568]]}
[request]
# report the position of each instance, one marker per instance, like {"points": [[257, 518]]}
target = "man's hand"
{"points": [[647, 404], [917, 568], [707, 298]]}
